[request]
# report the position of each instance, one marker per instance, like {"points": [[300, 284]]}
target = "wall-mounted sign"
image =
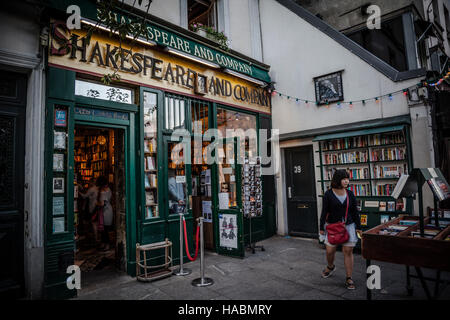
{"points": [[329, 88], [151, 67]]}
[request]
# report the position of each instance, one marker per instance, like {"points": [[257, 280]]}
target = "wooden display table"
{"points": [[403, 248], [159, 271]]}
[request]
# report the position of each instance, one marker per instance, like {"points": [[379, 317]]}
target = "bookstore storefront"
{"points": [[120, 143], [375, 154]]}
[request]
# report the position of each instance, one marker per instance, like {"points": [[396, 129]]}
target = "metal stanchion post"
{"points": [[202, 281], [181, 271]]}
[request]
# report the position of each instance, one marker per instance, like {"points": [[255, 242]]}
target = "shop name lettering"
{"points": [[242, 309], [173, 41], [137, 63]]}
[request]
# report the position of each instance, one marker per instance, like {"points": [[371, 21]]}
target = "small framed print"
{"points": [[59, 141], [58, 206], [60, 118], [58, 185], [200, 84], [329, 88], [58, 162]]}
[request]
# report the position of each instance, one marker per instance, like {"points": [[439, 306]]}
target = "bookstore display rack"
{"points": [[414, 241], [374, 163], [150, 167]]}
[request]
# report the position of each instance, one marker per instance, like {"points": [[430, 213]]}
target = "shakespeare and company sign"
{"points": [[141, 65]]}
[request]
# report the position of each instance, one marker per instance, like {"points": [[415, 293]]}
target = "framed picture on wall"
{"points": [[200, 84], [59, 141], [329, 88], [58, 185], [60, 118]]}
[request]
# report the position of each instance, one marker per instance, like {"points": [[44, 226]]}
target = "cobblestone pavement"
{"points": [[289, 269]]}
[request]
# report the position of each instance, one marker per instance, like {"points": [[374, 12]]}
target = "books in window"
{"points": [[150, 163], [149, 198]]}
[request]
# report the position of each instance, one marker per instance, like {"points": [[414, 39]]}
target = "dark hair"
{"points": [[101, 181], [337, 178]]}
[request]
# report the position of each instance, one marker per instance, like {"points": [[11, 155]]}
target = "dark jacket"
{"points": [[336, 210]]}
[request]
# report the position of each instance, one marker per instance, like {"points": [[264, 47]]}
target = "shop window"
{"points": [[176, 182], [150, 155], [227, 177], [243, 126], [200, 116], [203, 12], [174, 113], [387, 43], [103, 92]]}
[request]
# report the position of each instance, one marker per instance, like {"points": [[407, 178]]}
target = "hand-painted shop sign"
{"points": [[170, 39], [148, 66]]}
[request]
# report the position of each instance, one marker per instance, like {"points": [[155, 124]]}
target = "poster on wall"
{"points": [[58, 185], [59, 225], [207, 211], [58, 206], [329, 88], [228, 231], [58, 162], [59, 141], [60, 118]]}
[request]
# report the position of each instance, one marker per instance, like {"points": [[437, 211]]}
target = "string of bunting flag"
{"points": [[377, 99]]}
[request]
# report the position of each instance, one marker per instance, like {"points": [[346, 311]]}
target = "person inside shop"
{"points": [[176, 193], [339, 205], [105, 223], [91, 195]]}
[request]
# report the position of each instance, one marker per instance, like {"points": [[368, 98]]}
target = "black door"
{"points": [[301, 192], [12, 142]]}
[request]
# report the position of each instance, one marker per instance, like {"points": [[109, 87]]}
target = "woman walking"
{"points": [[339, 204], [104, 202]]}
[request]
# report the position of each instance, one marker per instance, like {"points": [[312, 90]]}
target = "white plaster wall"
{"points": [[297, 52], [239, 24], [168, 10]]}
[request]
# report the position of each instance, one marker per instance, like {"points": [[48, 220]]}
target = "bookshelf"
{"points": [[374, 162], [150, 165]]}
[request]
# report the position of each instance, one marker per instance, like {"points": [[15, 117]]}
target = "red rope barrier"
{"points": [[186, 242]]}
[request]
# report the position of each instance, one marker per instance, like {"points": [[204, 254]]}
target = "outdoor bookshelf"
{"points": [[415, 241], [374, 162]]}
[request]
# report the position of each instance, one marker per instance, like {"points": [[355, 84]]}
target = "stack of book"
{"points": [[393, 230]]}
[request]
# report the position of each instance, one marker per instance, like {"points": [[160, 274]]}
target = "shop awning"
{"points": [[358, 133]]}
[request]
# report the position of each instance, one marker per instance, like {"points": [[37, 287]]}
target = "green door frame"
{"points": [[237, 211], [130, 206]]}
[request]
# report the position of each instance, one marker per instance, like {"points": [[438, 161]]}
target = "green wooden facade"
{"points": [[59, 248]]}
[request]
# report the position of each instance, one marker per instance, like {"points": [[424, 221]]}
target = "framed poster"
{"points": [[59, 225], [329, 88], [60, 118], [58, 185], [228, 231], [58, 162], [58, 206], [200, 84], [59, 141]]}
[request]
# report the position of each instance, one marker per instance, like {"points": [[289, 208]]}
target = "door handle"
{"points": [[302, 206], [289, 193]]}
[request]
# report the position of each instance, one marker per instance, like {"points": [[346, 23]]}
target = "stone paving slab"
{"points": [[289, 269]]}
